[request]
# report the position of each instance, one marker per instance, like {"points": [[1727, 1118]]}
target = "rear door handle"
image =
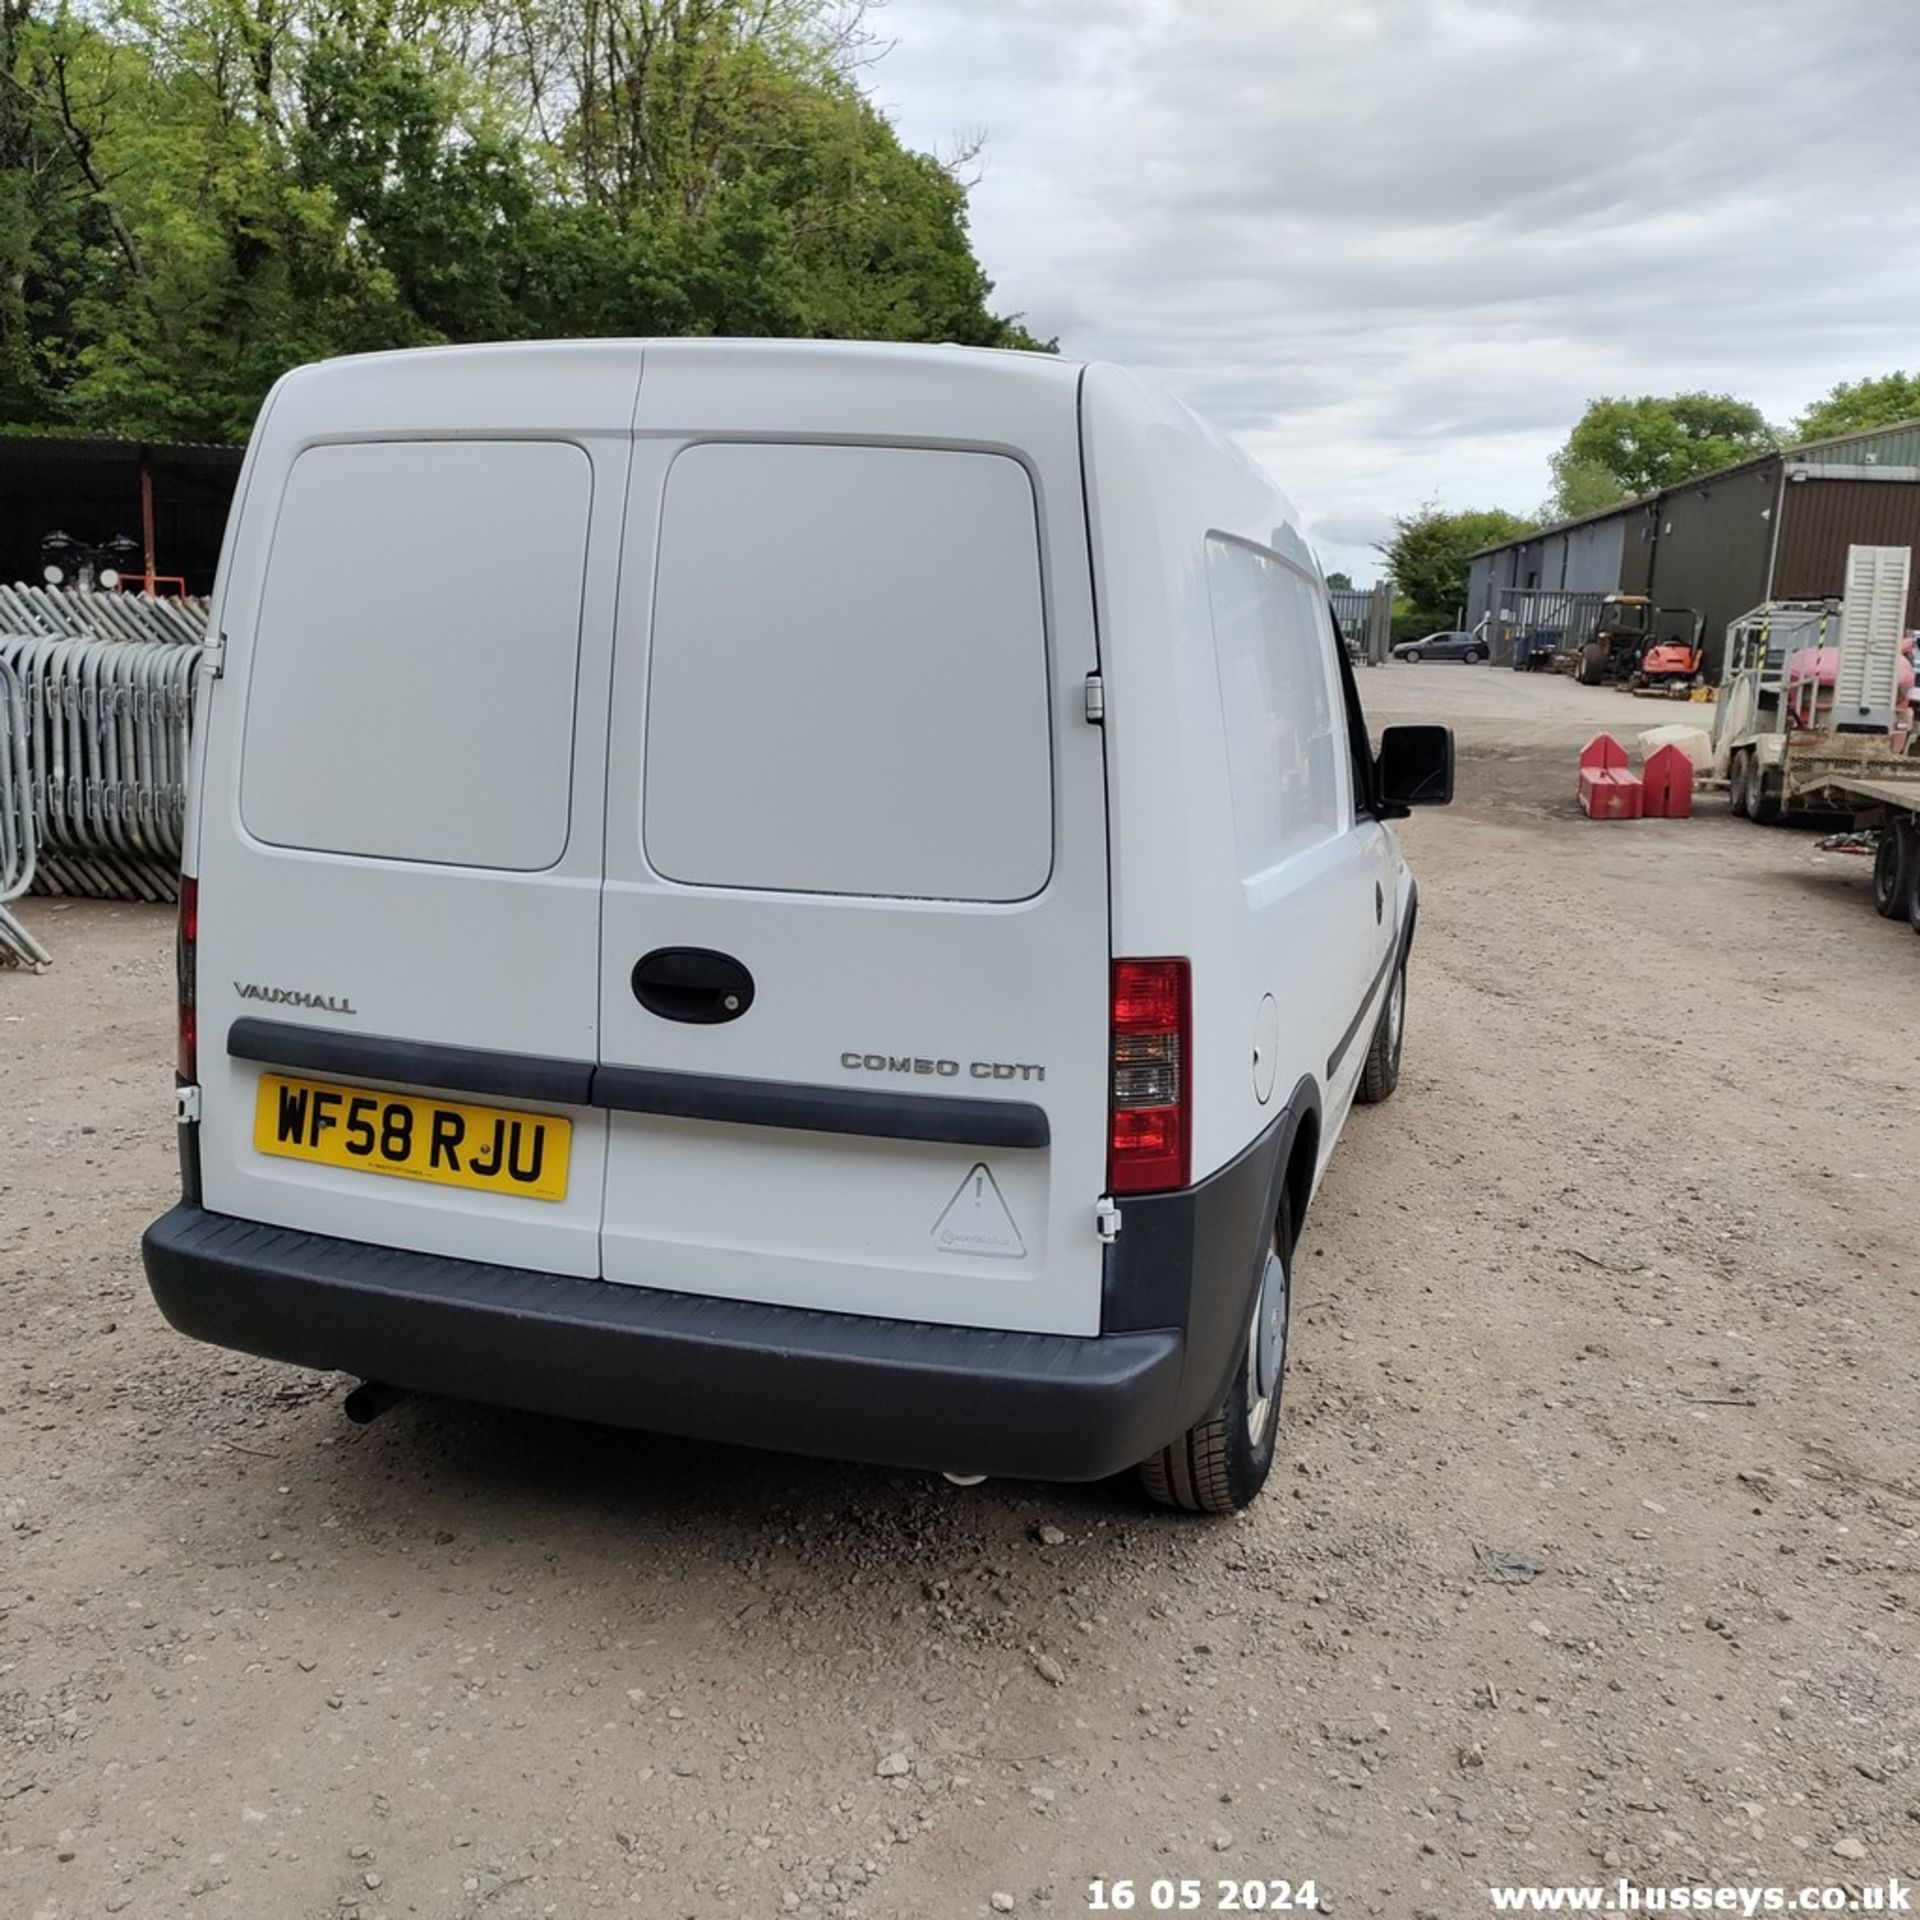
{"points": [[692, 984], [1379, 904]]}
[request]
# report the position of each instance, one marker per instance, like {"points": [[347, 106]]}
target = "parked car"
{"points": [[805, 947], [1442, 646]]}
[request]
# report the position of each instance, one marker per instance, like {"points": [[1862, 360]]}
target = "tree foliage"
{"points": [[1580, 486], [197, 194], [1429, 554], [1645, 444], [1855, 405]]}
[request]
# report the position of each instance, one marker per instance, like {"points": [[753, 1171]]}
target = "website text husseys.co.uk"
{"points": [[1627, 1897]]}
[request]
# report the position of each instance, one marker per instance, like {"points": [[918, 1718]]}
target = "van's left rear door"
{"points": [[399, 832]]}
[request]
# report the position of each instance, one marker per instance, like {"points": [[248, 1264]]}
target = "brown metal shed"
{"points": [[1821, 517]]}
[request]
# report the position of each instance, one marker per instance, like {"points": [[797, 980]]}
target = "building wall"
{"points": [[1590, 556], [1639, 527], [1822, 518], [1715, 548]]}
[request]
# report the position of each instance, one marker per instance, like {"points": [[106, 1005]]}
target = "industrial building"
{"points": [[1776, 527], [170, 501]]}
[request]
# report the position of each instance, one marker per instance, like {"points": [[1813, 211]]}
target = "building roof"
{"points": [[26, 447], [1799, 451]]}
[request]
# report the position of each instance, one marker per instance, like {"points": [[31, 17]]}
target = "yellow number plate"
{"points": [[490, 1148]]}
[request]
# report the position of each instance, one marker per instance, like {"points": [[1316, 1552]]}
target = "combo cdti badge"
{"points": [[825, 896]]}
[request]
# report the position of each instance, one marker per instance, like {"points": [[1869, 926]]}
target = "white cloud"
{"points": [[1396, 245]]}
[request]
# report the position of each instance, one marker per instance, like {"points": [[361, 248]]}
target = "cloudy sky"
{"points": [[1396, 245]]}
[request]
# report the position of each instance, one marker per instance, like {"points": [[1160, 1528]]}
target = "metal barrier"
{"points": [[106, 762], [69, 613], [17, 837], [1526, 624], [94, 705], [1366, 619]]}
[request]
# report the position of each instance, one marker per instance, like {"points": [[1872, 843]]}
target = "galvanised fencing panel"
{"points": [[18, 841], [98, 771], [1366, 619], [1529, 621]]}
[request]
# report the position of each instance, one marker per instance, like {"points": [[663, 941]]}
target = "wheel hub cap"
{"points": [[1266, 1346]]}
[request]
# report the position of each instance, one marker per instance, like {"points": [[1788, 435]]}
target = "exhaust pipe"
{"points": [[369, 1400]]}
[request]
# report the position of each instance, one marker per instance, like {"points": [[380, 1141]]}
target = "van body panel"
{"points": [[1165, 491], [363, 936], [965, 956]]}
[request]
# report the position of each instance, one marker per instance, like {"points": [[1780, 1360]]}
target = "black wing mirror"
{"points": [[1415, 768]]}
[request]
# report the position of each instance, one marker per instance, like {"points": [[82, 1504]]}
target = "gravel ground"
{"points": [[1591, 1552]]}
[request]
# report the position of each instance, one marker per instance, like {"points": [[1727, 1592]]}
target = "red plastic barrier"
{"points": [[1602, 754], [1610, 793], [1668, 782]]}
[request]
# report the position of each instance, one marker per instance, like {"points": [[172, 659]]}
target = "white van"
{"points": [[826, 896]]}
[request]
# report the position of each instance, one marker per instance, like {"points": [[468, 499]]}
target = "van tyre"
{"points": [[1220, 1465], [1381, 1074]]}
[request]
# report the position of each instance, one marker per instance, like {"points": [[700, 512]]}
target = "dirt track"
{"points": [[1592, 1552]]}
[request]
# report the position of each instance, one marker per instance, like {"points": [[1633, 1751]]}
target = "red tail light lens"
{"points": [[186, 939], [1150, 1144]]}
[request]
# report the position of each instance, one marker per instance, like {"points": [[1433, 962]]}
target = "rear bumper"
{"points": [[895, 1393]]}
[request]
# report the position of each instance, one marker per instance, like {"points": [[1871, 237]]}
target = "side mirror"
{"points": [[1415, 767]]}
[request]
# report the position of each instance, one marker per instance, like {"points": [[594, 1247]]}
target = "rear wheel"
{"points": [[1740, 785], [1766, 795], [1381, 1074], [1889, 874], [1475, 655], [1593, 664], [1220, 1465]]}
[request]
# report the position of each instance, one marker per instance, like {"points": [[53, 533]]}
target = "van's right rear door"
{"points": [[853, 1011]]}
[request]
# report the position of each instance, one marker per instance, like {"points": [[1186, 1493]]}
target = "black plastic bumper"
{"points": [[896, 1393]]}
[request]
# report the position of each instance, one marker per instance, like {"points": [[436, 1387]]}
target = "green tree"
{"points": [[1340, 582], [1580, 486], [1429, 554], [1649, 443], [197, 194], [1855, 405]]}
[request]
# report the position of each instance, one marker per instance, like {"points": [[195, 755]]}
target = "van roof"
{"points": [[740, 385]]}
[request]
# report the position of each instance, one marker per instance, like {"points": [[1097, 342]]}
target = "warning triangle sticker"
{"points": [[976, 1220]]}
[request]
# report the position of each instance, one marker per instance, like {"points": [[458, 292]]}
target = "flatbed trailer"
{"points": [[1890, 803]]}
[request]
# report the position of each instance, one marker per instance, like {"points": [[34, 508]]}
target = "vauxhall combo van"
{"points": [[823, 896]]}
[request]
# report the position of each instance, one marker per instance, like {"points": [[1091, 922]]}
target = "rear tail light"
{"points": [[186, 939], [1150, 1145]]}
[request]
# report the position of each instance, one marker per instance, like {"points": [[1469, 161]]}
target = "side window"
{"points": [[1359, 744], [1285, 735]]}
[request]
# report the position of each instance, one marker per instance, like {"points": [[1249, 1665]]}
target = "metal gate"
{"points": [[1366, 619], [1525, 624]]}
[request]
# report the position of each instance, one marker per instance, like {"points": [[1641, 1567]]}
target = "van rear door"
{"points": [[399, 842], [853, 1014]]}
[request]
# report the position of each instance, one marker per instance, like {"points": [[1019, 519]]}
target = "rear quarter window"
{"points": [[847, 688], [1285, 732], [414, 662]]}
